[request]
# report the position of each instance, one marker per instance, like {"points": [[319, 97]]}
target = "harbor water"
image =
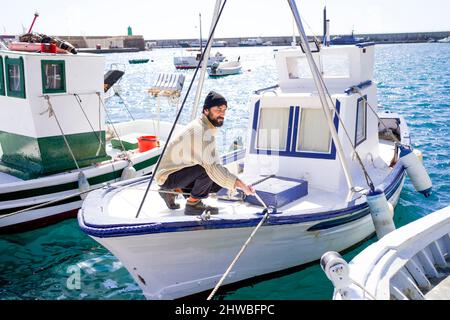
{"points": [[61, 262]]}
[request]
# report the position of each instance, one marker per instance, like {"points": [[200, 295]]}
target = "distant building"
{"points": [[106, 42]]}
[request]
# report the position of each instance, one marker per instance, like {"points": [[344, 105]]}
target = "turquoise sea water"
{"points": [[413, 79]]}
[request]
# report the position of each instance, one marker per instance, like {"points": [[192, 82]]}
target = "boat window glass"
{"points": [[298, 68], [15, 80], [361, 121], [272, 129], [335, 66], [314, 134], [2, 79], [53, 76]]}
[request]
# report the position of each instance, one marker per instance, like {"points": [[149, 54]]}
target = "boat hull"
{"points": [[170, 265], [40, 191]]}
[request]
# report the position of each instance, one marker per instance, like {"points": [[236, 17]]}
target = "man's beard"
{"points": [[215, 122]]}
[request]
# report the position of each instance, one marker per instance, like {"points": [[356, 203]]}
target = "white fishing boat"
{"points": [[410, 263], [315, 152], [55, 141], [226, 68], [191, 59], [251, 42]]}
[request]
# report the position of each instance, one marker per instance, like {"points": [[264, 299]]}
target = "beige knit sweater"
{"points": [[195, 145]]}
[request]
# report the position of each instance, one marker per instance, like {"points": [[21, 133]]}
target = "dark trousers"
{"points": [[193, 180]]}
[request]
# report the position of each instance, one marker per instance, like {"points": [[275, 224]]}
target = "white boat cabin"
{"points": [[290, 136], [38, 90]]}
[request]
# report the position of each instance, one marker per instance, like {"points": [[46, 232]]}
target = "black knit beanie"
{"points": [[214, 99]]}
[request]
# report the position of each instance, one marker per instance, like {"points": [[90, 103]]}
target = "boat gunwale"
{"points": [[389, 185]]}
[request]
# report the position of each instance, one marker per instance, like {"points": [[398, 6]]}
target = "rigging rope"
{"points": [[181, 109], [77, 97], [114, 128], [51, 112]]}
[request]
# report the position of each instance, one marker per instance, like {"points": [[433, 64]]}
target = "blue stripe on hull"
{"points": [[390, 185]]}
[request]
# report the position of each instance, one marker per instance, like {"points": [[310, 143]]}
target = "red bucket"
{"points": [[146, 143]]}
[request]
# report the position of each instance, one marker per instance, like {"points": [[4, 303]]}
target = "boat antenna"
{"points": [[204, 64], [323, 99], [181, 108], [200, 19], [36, 14]]}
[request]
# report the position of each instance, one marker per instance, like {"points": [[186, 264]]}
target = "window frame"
{"points": [[2, 78], [62, 64], [293, 128], [297, 143], [364, 100], [15, 61]]}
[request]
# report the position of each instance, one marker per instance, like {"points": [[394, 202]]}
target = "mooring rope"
{"points": [[179, 111], [263, 220]]}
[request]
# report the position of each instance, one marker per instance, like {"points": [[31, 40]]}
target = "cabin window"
{"points": [[273, 129], [15, 79], [298, 68], [361, 121], [313, 134], [335, 66], [2, 79], [53, 76]]}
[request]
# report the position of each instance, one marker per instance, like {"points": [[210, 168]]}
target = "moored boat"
{"points": [[191, 60], [226, 68], [315, 150], [55, 140], [409, 263]]}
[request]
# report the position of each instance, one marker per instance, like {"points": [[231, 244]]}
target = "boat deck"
{"points": [[123, 203]]}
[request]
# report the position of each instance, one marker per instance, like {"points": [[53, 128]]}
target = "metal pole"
{"points": [[320, 88], [205, 62]]}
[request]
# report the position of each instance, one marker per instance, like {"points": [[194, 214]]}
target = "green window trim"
{"points": [[62, 88], [2, 78], [12, 62]]}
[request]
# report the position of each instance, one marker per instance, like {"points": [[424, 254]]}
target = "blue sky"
{"points": [[171, 19]]}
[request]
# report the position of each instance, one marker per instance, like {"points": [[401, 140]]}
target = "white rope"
{"points": [[372, 297], [264, 219]]}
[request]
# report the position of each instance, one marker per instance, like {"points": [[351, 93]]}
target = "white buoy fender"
{"points": [[129, 172], [381, 213], [83, 185], [416, 171]]}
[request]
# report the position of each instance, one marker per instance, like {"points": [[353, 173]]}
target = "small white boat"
{"points": [[55, 141], [410, 263], [444, 40], [225, 68], [251, 42], [190, 61], [309, 156]]}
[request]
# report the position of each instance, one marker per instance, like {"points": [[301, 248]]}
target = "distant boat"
{"points": [[252, 42], [346, 39], [220, 43], [137, 61], [191, 61], [444, 40], [225, 68]]}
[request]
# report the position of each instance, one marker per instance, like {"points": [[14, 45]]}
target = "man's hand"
{"points": [[247, 189]]}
